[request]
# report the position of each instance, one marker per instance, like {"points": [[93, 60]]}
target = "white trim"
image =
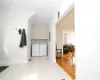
{"points": [[62, 40]]}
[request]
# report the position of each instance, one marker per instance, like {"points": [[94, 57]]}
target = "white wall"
{"points": [[87, 39], [52, 42], [70, 38], [12, 16], [30, 23], [64, 38], [39, 32]]}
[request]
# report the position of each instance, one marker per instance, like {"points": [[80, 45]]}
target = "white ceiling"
{"points": [[45, 9]]}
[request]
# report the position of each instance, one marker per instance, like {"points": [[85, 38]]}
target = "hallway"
{"points": [[40, 68]]}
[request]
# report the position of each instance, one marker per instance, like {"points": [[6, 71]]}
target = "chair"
{"points": [[58, 53]]}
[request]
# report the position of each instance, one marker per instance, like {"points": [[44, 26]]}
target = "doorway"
{"points": [[65, 41], [37, 38]]}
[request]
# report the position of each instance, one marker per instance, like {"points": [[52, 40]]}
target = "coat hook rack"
{"points": [[16, 29]]}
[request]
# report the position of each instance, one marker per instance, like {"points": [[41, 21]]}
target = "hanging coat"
{"points": [[23, 41], [19, 31]]}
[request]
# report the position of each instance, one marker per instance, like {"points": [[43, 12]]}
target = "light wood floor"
{"points": [[66, 63]]}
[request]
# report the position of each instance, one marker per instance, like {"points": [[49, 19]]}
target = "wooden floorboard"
{"points": [[67, 65]]}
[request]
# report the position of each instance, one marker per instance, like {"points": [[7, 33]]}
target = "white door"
{"points": [[43, 49], [35, 49]]}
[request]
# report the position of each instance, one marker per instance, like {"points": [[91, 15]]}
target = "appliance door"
{"points": [[43, 49], [35, 49]]}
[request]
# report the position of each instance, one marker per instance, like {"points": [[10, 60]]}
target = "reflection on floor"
{"points": [[40, 68], [67, 64]]}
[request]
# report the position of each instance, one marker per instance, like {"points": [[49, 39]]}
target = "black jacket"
{"points": [[23, 41]]}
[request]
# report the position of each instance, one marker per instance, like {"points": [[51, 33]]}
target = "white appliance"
{"points": [[35, 49], [43, 49], [39, 49]]}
